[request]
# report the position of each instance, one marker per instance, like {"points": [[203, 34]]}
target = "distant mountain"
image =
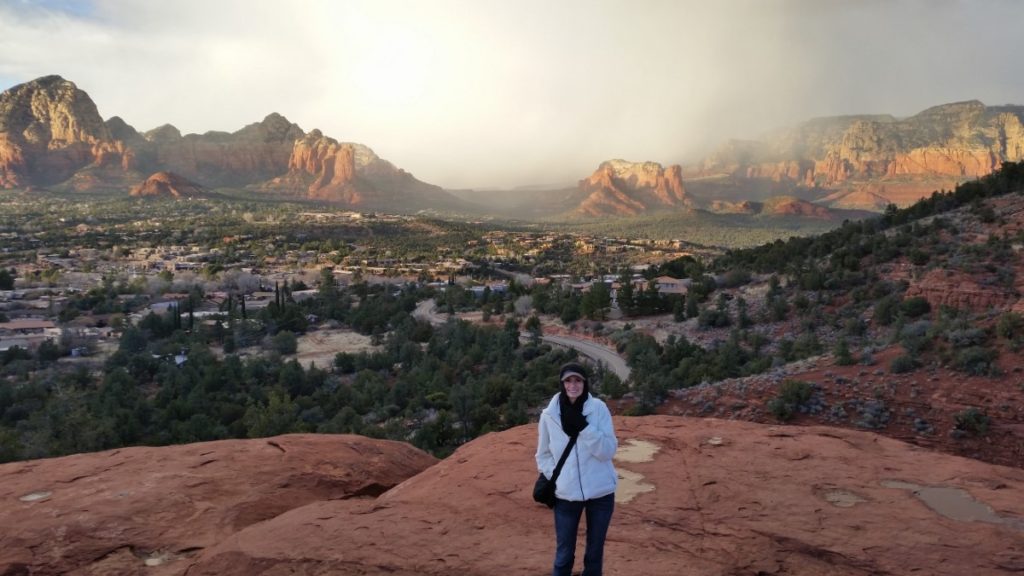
{"points": [[859, 199], [167, 184], [621, 188], [881, 158], [51, 135], [778, 206]]}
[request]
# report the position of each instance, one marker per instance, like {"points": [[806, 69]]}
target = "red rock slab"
{"points": [[150, 510], [724, 497]]}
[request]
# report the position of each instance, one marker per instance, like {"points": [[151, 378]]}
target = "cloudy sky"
{"points": [[489, 93]]}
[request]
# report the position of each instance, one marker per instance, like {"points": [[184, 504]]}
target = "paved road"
{"points": [[610, 358], [427, 311]]}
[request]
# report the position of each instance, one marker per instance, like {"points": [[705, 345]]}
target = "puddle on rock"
{"points": [[631, 484], [842, 498], [36, 496], [955, 504], [637, 451]]}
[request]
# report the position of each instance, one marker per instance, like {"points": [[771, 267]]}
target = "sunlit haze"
{"points": [[482, 93]]}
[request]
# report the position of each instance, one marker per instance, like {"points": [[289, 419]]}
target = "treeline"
{"points": [[436, 387]]}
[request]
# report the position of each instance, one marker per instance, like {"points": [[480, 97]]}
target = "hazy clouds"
{"points": [[466, 93]]}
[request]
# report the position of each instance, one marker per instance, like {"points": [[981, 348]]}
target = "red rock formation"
{"points": [[963, 163], [725, 207], [48, 130], [167, 184], [698, 497], [332, 166], [51, 134], [152, 510], [251, 155], [961, 290], [868, 198], [350, 173], [908, 158], [620, 188], [790, 206]]}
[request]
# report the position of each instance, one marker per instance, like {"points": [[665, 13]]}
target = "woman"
{"points": [[588, 479]]}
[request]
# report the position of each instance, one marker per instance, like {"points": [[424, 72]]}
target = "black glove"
{"points": [[573, 421]]}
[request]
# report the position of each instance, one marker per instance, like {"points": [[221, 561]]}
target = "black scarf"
{"points": [[572, 413]]}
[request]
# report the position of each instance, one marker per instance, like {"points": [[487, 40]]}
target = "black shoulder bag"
{"points": [[544, 489]]}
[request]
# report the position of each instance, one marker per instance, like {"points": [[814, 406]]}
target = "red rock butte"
{"points": [[697, 497]]}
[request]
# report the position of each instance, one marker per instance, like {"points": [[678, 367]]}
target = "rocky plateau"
{"points": [[696, 497]]}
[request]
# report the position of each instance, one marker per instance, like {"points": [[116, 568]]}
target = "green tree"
{"points": [[6, 279], [596, 301], [285, 342], [275, 417], [533, 326], [692, 305], [624, 296], [842, 353]]}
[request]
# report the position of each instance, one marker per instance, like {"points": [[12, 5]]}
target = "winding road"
{"points": [[602, 354], [427, 311]]}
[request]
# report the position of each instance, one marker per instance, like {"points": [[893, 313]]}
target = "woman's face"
{"points": [[573, 387]]}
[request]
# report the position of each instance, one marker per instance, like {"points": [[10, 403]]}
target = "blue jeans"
{"points": [[567, 522]]}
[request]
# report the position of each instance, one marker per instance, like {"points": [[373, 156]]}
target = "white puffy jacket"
{"points": [[588, 472]]}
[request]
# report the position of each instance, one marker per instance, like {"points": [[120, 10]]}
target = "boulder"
{"points": [[152, 510]]}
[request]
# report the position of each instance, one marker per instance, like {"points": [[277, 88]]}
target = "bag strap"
{"points": [[561, 461]]}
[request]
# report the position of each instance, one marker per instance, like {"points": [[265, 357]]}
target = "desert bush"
{"points": [[885, 310], [1010, 325], [867, 357], [977, 361], [903, 364], [842, 353], [973, 421], [713, 318], [874, 414], [807, 344], [793, 394], [284, 342], [735, 278], [919, 257], [914, 307], [965, 337]]}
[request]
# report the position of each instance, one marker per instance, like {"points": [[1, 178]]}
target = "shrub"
{"points": [[613, 386], [919, 257], [914, 307], [972, 421], [976, 360], [874, 414], [903, 364], [735, 278], [793, 394], [885, 310], [285, 342], [1010, 325], [842, 353], [966, 337]]}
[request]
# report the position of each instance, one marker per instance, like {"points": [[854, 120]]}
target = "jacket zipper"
{"points": [[579, 472]]}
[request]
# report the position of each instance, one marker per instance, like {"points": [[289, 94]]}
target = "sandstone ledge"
{"points": [[719, 497]]}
